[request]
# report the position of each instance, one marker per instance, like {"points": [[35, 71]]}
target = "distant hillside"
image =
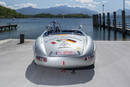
{"points": [[56, 10], [9, 13], [60, 16]]}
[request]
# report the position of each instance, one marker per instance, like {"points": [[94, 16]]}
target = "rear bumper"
{"points": [[65, 62]]}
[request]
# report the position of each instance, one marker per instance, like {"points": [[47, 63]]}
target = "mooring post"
{"points": [[114, 20], [9, 27], [103, 20], [114, 24], [21, 38], [123, 22], [108, 20], [4, 28], [15, 27], [95, 20], [100, 20]]}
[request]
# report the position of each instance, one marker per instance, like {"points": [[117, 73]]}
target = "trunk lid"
{"points": [[64, 45]]}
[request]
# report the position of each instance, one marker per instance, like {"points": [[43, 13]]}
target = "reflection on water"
{"points": [[33, 27], [109, 34], [115, 35]]}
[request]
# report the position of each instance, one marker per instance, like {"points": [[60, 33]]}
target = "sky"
{"points": [[109, 5]]}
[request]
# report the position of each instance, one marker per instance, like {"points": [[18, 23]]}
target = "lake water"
{"points": [[33, 27]]}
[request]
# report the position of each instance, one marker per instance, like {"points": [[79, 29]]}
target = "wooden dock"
{"points": [[118, 28], [8, 27], [105, 22]]}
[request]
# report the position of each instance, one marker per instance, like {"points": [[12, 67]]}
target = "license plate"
{"points": [[64, 53]]}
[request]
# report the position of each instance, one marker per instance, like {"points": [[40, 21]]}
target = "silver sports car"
{"points": [[64, 49]]}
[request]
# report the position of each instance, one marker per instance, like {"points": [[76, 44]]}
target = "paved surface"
{"points": [[17, 70]]}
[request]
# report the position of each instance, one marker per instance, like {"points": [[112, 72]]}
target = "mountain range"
{"points": [[56, 10]]}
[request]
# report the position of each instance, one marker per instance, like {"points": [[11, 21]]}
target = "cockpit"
{"points": [[55, 28]]}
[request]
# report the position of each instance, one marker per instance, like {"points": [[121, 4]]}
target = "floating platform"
{"points": [[17, 69], [118, 28], [8, 28]]}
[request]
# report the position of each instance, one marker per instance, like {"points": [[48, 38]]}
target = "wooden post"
{"points": [[108, 20], [123, 22], [104, 34], [0, 29], [9, 27], [100, 20], [103, 20], [114, 24], [15, 27], [95, 20], [4, 28], [114, 20], [109, 34], [21, 38]]}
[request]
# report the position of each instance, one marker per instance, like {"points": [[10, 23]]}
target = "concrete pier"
{"points": [[17, 70]]}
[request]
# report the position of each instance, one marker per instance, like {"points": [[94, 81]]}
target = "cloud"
{"points": [[85, 1], [23, 5], [19, 5], [127, 2], [88, 1], [3, 3], [91, 4]]}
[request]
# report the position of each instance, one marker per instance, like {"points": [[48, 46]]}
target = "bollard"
{"points": [[21, 38]]}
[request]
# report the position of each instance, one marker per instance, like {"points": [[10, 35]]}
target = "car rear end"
{"points": [[65, 51], [65, 62]]}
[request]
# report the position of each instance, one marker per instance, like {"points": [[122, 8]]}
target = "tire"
{"points": [[33, 62]]}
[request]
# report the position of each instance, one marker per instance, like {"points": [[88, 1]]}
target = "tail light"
{"points": [[41, 59], [38, 58], [92, 56], [85, 59], [44, 59]]}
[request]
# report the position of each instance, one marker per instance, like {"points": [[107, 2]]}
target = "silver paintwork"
{"points": [[59, 48]]}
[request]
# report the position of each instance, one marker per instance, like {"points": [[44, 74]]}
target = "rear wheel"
{"points": [[33, 62]]}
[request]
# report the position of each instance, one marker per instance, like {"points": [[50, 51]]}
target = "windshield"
{"points": [[61, 32]]}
